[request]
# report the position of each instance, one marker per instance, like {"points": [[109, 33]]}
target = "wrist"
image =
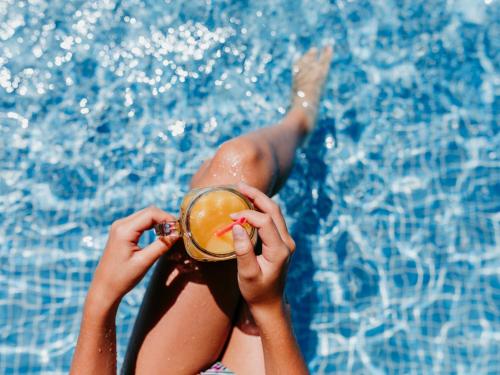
{"points": [[268, 312], [99, 304]]}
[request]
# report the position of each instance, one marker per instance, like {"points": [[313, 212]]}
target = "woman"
{"points": [[191, 319]]}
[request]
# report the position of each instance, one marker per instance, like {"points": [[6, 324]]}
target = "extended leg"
{"points": [[262, 158], [187, 315], [194, 310]]}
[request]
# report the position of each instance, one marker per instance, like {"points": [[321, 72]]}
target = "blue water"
{"points": [[109, 106]]}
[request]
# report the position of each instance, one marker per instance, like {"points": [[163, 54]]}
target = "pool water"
{"points": [[109, 106]]}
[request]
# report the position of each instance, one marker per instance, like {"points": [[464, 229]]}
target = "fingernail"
{"points": [[170, 239], [238, 232], [234, 215]]}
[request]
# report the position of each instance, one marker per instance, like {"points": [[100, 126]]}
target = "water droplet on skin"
{"points": [[100, 350]]}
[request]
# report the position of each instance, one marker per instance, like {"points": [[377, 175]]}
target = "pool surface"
{"points": [[108, 106]]}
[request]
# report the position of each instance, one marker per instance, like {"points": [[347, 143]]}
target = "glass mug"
{"points": [[203, 213]]}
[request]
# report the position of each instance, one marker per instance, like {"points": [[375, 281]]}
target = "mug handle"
{"points": [[168, 227]]}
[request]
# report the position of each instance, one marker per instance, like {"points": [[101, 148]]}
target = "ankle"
{"points": [[299, 117]]}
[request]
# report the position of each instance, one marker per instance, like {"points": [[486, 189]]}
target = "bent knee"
{"points": [[243, 151], [240, 159]]}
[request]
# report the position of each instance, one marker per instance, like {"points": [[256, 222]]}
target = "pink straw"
{"points": [[227, 228]]}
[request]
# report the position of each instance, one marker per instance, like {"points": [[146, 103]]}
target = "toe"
{"points": [[326, 58], [312, 52], [306, 60], [311, 55]]}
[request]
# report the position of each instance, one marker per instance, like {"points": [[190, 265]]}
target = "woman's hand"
{"points": [[262, 278], [124, 263], [121, 267]]}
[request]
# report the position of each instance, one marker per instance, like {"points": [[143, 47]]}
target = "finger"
{"points": [[146, 218], [248, 267], [268, 232], [133, 215], [267, 205], [153, 251]]}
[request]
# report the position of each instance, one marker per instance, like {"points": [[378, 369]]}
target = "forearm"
{"points": [[281, 352], [95, 351]]}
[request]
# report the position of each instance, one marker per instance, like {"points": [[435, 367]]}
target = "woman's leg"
{"points": [[194, 310], [262, 158], [187, 314]]}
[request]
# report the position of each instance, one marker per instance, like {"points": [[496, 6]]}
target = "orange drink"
{"points": [[204, 212]]}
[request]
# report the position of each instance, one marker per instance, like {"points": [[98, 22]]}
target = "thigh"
{"points": [[243, 353], [185, 317]]}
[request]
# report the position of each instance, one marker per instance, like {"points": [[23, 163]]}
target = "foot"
{"points": [[309, 75]]}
